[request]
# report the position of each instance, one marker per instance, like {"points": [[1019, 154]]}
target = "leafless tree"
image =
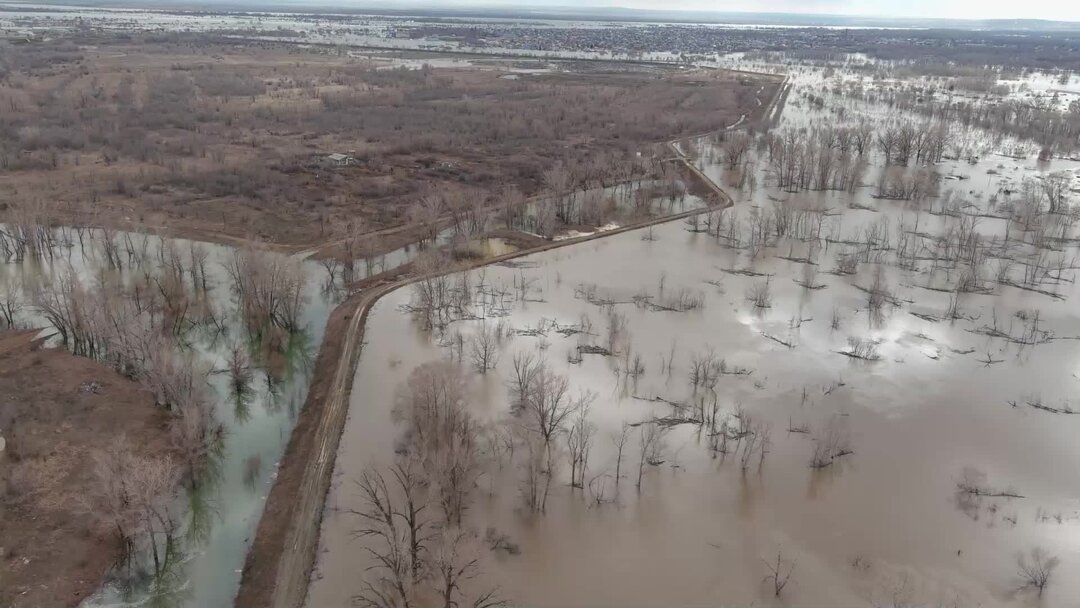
{"points": [[861, 348], [832, 443], [878, 296], [11, 301], [734, 147], [413, 513], [549, 405], [616, 328], [847, 263], [537, 469], [453, 564], [777, 575], [433, 298], [425, 213], [270, 287], [558, 180], [651, 448], [526, 369], [579, 442], [195, 434], [485, 348], [619, 441], [1035, 570], [441, 434], [760, 294], [513, 206], [240, 374], [131, 497], [388, 546], [1056, 190]]}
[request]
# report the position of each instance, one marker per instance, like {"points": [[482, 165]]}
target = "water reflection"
{"points": [[861, 461], [256, 377]]}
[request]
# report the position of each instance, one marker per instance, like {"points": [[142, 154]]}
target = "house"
{"points": [[340, 160]]}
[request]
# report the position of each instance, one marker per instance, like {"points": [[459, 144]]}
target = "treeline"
{"points": [[1023, 119], [256, 133], [837, 158], [966, 48]]}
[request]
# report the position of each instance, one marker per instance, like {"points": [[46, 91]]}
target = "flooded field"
{"points": [[916, 419], [854, 394], [77, 283]]}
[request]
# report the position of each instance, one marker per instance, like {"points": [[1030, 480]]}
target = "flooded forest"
{"points": [[854, 386], [784, 329]]}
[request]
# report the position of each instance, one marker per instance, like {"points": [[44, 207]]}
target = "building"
{"points": [[340, 160]]}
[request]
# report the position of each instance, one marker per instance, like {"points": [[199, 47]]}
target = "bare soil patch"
{"points": [[55, 409]]}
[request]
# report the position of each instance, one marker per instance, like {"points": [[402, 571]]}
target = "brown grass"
{"points": [[51, 555], [211, 140]]}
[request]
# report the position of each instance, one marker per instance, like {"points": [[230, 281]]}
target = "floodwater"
{"points": [[950, 393], [917, 418], [220, 518]]}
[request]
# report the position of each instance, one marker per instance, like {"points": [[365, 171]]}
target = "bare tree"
{"points": [[537, 468], [831, 444], [760, 294], [549, 405], [1056, 189], [387, 545], [558, 180], [620, 442], [441, 434], [526, 368], [1035, 570], [777, 575], [513, 206], [270, 287], [485, 348], [132, 497], [413, 513], [425, 213], [196, 435], [578, 443], [735, 147], [651, 448], [455, 563], [11, 301]]}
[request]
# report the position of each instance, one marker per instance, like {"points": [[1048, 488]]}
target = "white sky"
{"points": [[1057, 10]]}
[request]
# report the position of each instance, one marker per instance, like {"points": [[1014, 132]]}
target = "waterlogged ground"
{"points": [[883, 524], [957, 410], [220, 517], [958, 415]]}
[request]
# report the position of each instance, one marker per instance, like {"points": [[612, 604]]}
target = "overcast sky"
{"points": [[1058, 10]]}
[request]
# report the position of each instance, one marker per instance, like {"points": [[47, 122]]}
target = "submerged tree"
{"points": [[132, 499], [270, 287], [485, 348], [1036, 569], [440, 433], [650, 448], [579, 443], [777, 573], [387, 543]]}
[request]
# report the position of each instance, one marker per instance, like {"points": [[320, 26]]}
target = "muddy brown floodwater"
{"points": [[883, 525], [950, 451]]}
